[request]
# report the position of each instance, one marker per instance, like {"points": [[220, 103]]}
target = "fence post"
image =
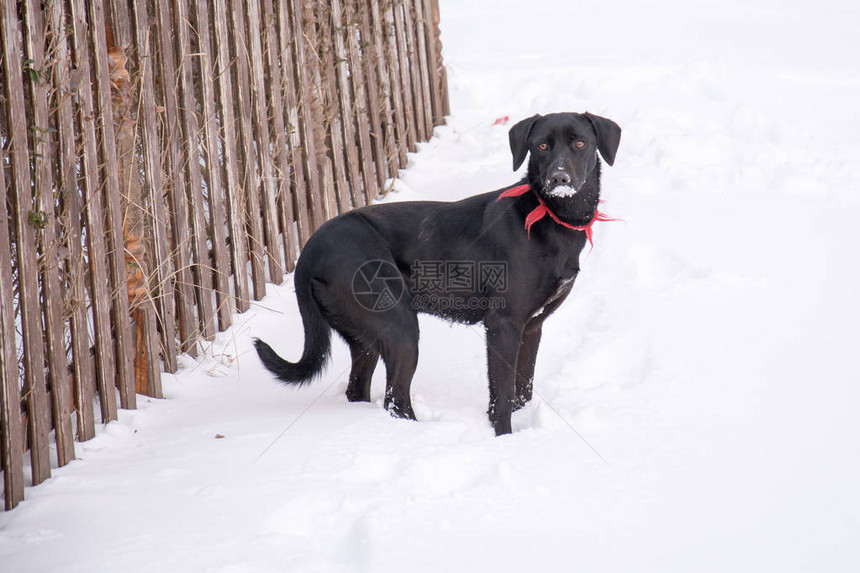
{"points": [[11, 433], [70, 199], [395, 147], [440, 73], [293, 123], [373, 73], [310, 38], [234, 189], [401, 70], [307, 117], [120, 145], [154, 190], [25, 220], [202, 267], [95, 275], [424, 81], [118, 331], [47, 236], [279, 136], [248, 214], [364, 117], [177, 200], [267, 188], [214, 181]]}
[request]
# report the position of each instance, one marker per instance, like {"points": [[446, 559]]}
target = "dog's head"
{"points": [[563, 150]]}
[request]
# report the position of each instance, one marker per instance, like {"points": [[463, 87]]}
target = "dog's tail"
{"points": [[317, 345]]}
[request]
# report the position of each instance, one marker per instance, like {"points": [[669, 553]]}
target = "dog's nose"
{"points": [[559, 178]]}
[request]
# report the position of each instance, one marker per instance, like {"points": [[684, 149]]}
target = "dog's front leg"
{"points": [[503, 343], [526, 360]]}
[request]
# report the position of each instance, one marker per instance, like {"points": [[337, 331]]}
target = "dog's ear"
{"points": [[608, 136], [519, 137]]}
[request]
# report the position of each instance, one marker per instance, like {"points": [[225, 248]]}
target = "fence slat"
{"points": [[308, 121], [249, 208], [372, 73], [154, 191], [420, 47], [128, 248], [194, 192], [11, 433], [48, 237], [359, 91], [391, 104], [267, 188], [92, 268], [93, 214], [82, 367], [440, 73], [235, 190], [336, 122], [24, 213], [409, 48], [320, 117], [300, 186], [345, 97], [404, 82], [215, 184], [117, 263], [182, 241], [430, 28], [279, 137]]}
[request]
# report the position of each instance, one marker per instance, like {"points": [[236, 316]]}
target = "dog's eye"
{"points": [[543, 146], [579, 144]]}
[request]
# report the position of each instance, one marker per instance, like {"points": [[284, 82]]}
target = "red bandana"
{"points": [[542, 210]]}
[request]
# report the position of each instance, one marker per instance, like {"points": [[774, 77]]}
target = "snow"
{"points": [[696, 395], [563, 191]]}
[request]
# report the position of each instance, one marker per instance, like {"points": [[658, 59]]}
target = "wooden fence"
{"points": [[161, 161]]}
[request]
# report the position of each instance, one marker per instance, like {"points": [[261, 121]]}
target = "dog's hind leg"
{"points": [[398, 345], [364, 359], [526, 359]]}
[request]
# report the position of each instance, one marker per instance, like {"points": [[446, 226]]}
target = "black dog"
{"points": [[507, 258]]}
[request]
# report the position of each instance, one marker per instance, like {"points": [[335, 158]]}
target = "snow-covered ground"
{"points": [[697, 395]]}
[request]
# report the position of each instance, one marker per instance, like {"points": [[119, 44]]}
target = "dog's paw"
{"points": [[399, 408]]}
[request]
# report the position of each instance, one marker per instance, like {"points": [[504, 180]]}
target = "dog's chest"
{"points": [[562, 289]]}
